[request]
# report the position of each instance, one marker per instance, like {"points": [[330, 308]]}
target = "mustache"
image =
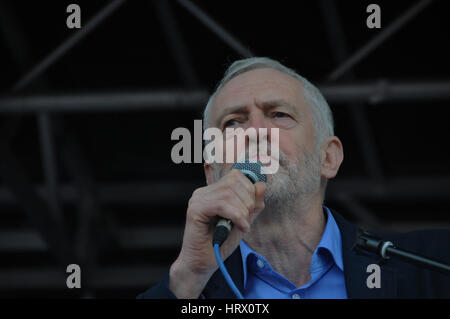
{"points": [[286, 165], [283, 159]]}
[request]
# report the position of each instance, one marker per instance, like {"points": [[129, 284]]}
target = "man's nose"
{"points": [[262, 125]]}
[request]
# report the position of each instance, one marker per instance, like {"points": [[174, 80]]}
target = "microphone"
{"points": [[253, 172]]}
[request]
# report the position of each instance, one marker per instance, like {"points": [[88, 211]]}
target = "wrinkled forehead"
{"points": [[260, 85]]}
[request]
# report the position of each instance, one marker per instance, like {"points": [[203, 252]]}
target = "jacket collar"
{"points": [[355, 270]]}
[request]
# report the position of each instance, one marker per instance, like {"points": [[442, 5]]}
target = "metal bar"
{"points": [[152, 237], [49, 163], [334, 29], [398, 188], [89, 238], [126, 101], [20, 241], [383, 91], [128, 193], [224, 35], [176, 44], [110, 277], [366, 141], [66, 45], [179, 191], [375, 92], [166, 237], [387, 32]]}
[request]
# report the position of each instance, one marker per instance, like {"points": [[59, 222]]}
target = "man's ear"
{"points": [[209, 173], [331, 156]]}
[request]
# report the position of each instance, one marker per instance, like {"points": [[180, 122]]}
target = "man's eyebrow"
{"points": [[233, 110]]}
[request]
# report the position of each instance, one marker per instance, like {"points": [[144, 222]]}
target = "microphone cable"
{"points": [[225, 273]]}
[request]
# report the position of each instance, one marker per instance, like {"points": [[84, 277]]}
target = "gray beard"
{"points": [[295, 182]]}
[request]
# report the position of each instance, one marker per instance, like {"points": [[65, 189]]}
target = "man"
{"points": [[285, 243]]}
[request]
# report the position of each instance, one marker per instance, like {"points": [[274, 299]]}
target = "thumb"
{"points": [[260, 190]]}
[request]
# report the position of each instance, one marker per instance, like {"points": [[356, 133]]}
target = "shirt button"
{"points": [[296, 296], [260, 263]]}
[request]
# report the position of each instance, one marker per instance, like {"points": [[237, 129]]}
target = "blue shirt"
{"points": [[327, 271]]}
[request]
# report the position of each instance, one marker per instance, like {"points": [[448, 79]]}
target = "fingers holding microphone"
{"points": [[248, 195], [235, 198]]}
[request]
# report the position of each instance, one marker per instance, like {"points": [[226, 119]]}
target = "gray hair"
{"points": [[321, 112]]}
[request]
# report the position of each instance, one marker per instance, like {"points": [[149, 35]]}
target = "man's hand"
{"points": [[233, 197]]}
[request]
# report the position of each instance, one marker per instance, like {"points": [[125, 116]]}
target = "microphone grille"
{"points": [[252, 170]]}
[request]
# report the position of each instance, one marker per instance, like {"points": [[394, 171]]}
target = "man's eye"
{"points": [[230, 123], [279, 114]]}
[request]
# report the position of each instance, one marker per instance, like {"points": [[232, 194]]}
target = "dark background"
{"points": [[94, 184]]}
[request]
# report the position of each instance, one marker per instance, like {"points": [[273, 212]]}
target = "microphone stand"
{"points": [[386, 249]]}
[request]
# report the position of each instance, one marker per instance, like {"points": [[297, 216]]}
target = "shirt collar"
{"points": [[330, 241]]}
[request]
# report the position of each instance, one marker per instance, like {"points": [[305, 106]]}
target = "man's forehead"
{"points": [[262, 85]]}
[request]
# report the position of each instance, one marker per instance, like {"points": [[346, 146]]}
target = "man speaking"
{"points": [[285, 243]]}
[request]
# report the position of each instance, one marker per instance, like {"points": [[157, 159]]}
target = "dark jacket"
{"points": [[398, 279]]}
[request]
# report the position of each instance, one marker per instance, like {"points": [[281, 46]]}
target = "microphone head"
{"points": [[253, 170]]}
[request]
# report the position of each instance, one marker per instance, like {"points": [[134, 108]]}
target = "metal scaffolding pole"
{"points": [[179, 191], [106, 102], [377, 40], [230, 40], [89, 237], [182, 99], [49, 164], [175, 41], [384, 91]]}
